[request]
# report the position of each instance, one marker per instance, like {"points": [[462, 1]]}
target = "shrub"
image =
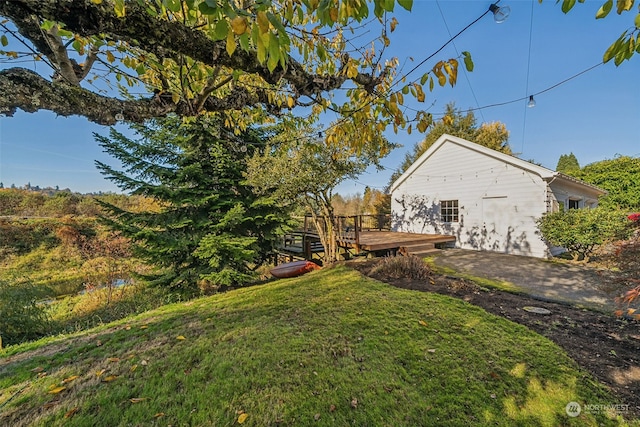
{"points": [[398, 267], [21, 317], [580, 231]]}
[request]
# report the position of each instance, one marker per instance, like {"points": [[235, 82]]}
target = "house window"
{"points": [[449, 210], [573, 204]]}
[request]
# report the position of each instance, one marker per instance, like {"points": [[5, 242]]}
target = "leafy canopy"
{"points": [[619, 176], [232, 57]]}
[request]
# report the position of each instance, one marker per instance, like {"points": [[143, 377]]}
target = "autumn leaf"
{"points": [[57, 390], [144, 327], [71, 412], [68, 380], [158, 415], [180, 337], [100, 372], [242, 418], [137, 399], [109, 378], [239, 25], [113, 359], [133, 368], [37, 369], [422, 322]]}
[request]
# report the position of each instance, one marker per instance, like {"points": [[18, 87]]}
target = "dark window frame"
{"points": [[573, 204], [449, 211]]}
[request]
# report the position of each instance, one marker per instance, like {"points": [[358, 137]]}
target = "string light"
{"points": [[500, 13], [532, 102]]}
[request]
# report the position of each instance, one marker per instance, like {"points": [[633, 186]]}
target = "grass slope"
{"points": [[329, 348]]}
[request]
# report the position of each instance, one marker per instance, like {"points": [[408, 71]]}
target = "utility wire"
{"points": [[526, 91], [464, 70]]}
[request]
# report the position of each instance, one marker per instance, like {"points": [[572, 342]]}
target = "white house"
{"points": [[488, 200]]}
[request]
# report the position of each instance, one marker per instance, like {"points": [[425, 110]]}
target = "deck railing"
{"points": [[350, 227]]}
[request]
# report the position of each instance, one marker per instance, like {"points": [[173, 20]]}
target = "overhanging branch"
{"points": [[171, 39], [26, 90]]}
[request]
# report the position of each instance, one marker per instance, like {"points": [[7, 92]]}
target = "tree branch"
{"points": [[26, 90], [171, 39]]}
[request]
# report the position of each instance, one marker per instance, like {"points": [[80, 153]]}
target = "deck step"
{"points": [[416, 248], [422, 254]]}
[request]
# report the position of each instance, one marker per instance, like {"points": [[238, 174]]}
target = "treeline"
{"points": [[42, 203]]}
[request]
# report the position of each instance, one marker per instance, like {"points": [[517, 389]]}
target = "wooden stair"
{"points": [[419, 249]]}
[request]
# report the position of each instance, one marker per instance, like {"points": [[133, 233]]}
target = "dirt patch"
{"points": [[605, 346]]}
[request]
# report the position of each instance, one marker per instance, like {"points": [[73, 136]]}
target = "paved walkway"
{"points": [[576, 284]]}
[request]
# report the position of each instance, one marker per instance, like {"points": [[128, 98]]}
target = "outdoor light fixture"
{"points": [[532, 102], [500, 13]]}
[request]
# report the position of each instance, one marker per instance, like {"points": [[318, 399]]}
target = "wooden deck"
{"points": [[363, 234]]}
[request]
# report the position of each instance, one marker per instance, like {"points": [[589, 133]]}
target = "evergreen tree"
{"points": [[212, 229], [568, 164]]}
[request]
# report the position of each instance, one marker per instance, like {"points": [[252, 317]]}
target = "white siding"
{"points": [[498, 202]]}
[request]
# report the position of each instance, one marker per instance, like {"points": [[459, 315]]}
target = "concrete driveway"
{"points": [[576, 284]]}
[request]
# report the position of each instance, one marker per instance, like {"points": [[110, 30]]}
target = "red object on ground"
{"points": [[293, 269], [634, 217]]}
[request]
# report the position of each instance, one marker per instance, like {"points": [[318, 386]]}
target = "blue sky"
{"points": [[596, 115]]}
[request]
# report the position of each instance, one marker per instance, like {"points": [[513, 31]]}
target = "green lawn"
{"points": [[331, 348]]}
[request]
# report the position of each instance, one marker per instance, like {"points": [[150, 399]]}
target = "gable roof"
{"points": [[542, 172]]}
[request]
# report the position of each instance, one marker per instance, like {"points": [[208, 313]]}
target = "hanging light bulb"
{"points": [[532, 102], [500, 13]]}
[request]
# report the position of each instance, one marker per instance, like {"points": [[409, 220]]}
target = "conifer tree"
{"points": [[568, 163], [212, 229]]}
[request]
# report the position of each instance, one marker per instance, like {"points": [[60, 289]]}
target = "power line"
{"points": [[464, 70], [526, 91]]}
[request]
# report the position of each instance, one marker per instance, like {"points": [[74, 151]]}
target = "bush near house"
{"points": [[581, 231]]}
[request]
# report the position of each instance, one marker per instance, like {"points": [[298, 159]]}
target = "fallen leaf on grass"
{"points": [[100, 372], [71, 378], [144, 327], [42, 374], [109, 378], [158, 415], [71, 412], [137, 399], [354, 403], [127, 327], [316, 417], [57, 390], [332, 408], [144, 363], [180, 337], [133, 368], [432, 350], [242, 418], [37, 369], [422, 322], [113, 359], [50, 404]]}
